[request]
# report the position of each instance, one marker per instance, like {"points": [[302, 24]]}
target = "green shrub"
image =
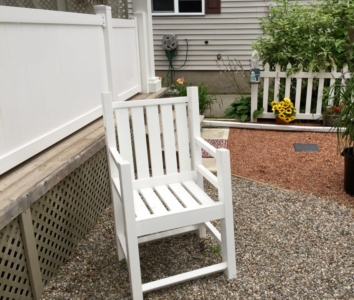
{"points": [[241, 109], [319, 33]]}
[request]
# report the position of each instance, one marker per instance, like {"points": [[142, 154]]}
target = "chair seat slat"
{"points": [[139, 206], [168, 198], [153, 201], [182, 194], [197, 192]]}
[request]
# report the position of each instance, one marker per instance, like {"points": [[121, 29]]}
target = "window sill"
{"points": [[176, 15]]}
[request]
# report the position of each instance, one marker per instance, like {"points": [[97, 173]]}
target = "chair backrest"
{"points": [[154, 135]]}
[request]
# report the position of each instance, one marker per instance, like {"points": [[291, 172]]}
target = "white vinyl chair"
{"points": [[157, 182]]}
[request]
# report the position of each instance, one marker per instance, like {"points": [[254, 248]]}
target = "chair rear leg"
{"points": [[202, 231]]}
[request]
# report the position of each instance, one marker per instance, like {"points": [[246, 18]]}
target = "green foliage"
{"points": [[215, 249], [241, 109], [206, 98], [257, 112], [346, 115], [320, 34]]}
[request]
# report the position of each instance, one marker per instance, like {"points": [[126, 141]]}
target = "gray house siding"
{"points": [[229, 33]]}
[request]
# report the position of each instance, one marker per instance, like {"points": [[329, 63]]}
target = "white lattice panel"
{"points": [[64, 215]]}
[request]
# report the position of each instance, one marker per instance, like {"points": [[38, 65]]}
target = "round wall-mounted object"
{"points": [[169, 42]]}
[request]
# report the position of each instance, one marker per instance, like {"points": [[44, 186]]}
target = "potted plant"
{"points": [[284, 111], [332, 103], [344, 127], [331, 114]]}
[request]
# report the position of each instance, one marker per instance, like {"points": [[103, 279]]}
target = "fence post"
{"points": [[149, 82], [112, 77], [254, 99]]}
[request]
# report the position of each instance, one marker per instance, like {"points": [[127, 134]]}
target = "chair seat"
{"points": [[169, 198]]}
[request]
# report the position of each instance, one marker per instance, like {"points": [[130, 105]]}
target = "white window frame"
{"points": [[176, 13]]}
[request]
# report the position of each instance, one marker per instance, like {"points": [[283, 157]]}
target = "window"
{"points": [[177, 7]]}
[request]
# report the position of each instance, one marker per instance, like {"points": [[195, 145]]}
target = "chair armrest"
{"points": [[205, 145]]}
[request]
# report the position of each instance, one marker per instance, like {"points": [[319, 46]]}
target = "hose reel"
{"points": [[170, 45]]}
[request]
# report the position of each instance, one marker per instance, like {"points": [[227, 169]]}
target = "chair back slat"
{"points": [[140, 147], [182, 137], [124, 136], [168, 135], [154, 134]]}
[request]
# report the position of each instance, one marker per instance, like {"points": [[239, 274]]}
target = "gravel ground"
{"points": [[289, 245]]}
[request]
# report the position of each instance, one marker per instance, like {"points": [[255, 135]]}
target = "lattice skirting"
{"points": [[60, 219]]}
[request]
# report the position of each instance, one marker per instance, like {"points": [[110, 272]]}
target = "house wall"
{"points": [[230, 33]]}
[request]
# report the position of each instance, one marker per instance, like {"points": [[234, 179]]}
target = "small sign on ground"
{"points": [[306, 147]]}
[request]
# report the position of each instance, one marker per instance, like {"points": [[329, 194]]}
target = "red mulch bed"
{"points": [[270, 157]]}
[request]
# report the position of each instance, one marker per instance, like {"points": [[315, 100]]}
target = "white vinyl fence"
{"points": [[54, 67], [273, 79]]}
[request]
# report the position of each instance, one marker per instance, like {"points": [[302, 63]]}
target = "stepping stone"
{"points": [[306, 147]]}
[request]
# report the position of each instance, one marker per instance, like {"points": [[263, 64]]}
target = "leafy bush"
{"points": [[319, 33], [241, 109]]}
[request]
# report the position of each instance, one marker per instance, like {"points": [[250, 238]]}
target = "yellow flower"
{"points": [[287, 100], [281, 116], [289, 111], [282, 110], [180, 80], [287, 120], [292, 118], [273, 103]]}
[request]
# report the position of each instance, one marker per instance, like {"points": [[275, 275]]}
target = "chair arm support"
{"points": [[208, 175], [205, 145], [222, 157]]}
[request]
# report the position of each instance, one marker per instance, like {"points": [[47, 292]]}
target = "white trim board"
{"points": [[268, 126]]}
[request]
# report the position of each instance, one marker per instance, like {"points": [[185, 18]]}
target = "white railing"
{"points": [[273, 78], [54, 67]]}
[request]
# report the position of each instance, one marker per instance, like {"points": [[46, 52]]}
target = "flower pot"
{"points": [[280, 121], [329, 120], [348, 170]]}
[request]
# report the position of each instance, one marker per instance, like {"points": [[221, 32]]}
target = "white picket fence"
{"points": [[54, 67], [273, 78]]}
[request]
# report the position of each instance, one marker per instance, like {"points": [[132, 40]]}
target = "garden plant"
{"points": [[206, 98]]}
